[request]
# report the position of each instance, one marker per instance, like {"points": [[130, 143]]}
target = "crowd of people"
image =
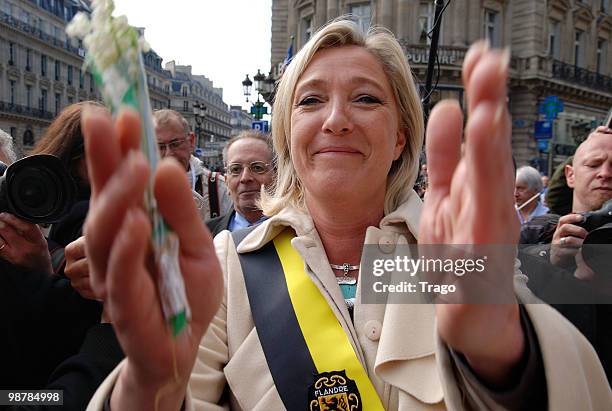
{"points": [[271, 253]]}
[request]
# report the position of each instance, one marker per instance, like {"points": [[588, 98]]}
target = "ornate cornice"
{"points": [[561, 6]]}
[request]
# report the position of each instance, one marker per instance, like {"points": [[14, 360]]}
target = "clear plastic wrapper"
{"points": [[114, 56]]}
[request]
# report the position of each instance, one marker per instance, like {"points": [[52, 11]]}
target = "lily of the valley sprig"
{"points": [[114, 55]]}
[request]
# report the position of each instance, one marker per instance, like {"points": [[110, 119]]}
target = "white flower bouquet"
{"points": [[114, 55]]}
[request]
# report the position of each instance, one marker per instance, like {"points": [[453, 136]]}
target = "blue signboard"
{"points": [[262, 126], [543, 130], [550, 107], [543, 145]]}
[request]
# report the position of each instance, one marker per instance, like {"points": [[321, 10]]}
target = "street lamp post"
{"points": [[199, 112], [246, 86], [262, 86]]}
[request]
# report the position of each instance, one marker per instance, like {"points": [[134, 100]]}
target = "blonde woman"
{"points": [[347, 130]]}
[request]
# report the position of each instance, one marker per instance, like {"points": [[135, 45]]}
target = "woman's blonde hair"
{"points": [[288, 190]]}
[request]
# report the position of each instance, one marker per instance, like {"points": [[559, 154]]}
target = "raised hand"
{"points": [[77, 268], [470, 201], [122, 274]]}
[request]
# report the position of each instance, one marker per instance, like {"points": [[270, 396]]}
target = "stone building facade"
{"points": [[40, 68], [559, 48], [240, 121], [41, 73], [188, 89]]}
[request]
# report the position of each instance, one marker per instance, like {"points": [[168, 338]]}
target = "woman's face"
{"points": [[345, 126]]}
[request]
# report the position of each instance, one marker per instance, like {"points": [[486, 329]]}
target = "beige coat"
{"points": [[409, 366]]}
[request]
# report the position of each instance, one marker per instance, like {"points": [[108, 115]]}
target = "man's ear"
{"points": [[569, 175], [191, 137]]}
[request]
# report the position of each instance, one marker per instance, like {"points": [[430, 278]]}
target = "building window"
{"points": [[28, 60], [305, 30], [29, 96], [69, 75], [43, 100], [426, 20], [579, 48], [12, 82], [361, 14], [58, 103], [81, 79], [602, 48], [184, 92], [491, 27], [185, 105], [554, 36], [605, 4], [58, 69], [14, 133], [11, 54], [91, 83], [70, 100], [28, 138], [8, 8], [43, 65]]}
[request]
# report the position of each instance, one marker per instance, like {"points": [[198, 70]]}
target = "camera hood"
{"points": [[38, 189]]}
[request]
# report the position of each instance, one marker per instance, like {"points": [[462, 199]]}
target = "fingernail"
{"points": [[504, 62], [498, 115], [2, 224], [487, 45]]}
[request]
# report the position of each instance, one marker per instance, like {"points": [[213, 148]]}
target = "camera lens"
{"points": [[39, 189]]}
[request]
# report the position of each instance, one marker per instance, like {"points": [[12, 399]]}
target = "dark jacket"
{"points": [[218, 224], [80, 375], [43, 321], [558, 287]]}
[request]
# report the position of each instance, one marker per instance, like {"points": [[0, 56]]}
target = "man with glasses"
{"points": [[175, 139], [248, 166]]}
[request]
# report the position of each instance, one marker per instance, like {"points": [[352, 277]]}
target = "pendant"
{"points": [[346, 280]]}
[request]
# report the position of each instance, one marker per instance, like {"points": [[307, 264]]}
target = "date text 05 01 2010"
{"points": [[31, 397]]}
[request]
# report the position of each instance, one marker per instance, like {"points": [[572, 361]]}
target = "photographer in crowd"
{"points": [[44, 319], [559, 273]]}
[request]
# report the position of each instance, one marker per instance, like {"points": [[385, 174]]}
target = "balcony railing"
{"points": [[47, 38], [6, 107], [581, 76]]}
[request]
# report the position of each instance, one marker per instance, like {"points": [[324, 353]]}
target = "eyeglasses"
{"points": [[171, 145], [256, 167]]}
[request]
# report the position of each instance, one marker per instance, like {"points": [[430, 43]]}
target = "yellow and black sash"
{"points": [[309, 355]]}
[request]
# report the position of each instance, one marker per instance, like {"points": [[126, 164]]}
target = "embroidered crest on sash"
{"points": [[333, 391]]}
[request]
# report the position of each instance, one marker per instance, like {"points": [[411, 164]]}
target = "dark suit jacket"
{"points": [[43, 321], [218, 224]]}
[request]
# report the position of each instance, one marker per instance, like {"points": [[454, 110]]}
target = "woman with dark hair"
{"points": [[64, 140], [22, 243], [44, 320]]}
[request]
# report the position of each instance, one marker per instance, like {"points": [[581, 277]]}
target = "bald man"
{"points": [[590, 175]]}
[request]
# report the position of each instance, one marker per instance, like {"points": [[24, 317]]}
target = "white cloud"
{"points": [[221, 39]]}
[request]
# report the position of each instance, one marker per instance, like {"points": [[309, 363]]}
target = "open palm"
{"points": [[470, 201]]}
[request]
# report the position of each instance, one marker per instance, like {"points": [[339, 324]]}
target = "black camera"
{"points": [[37, 189], [597, 245]]}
